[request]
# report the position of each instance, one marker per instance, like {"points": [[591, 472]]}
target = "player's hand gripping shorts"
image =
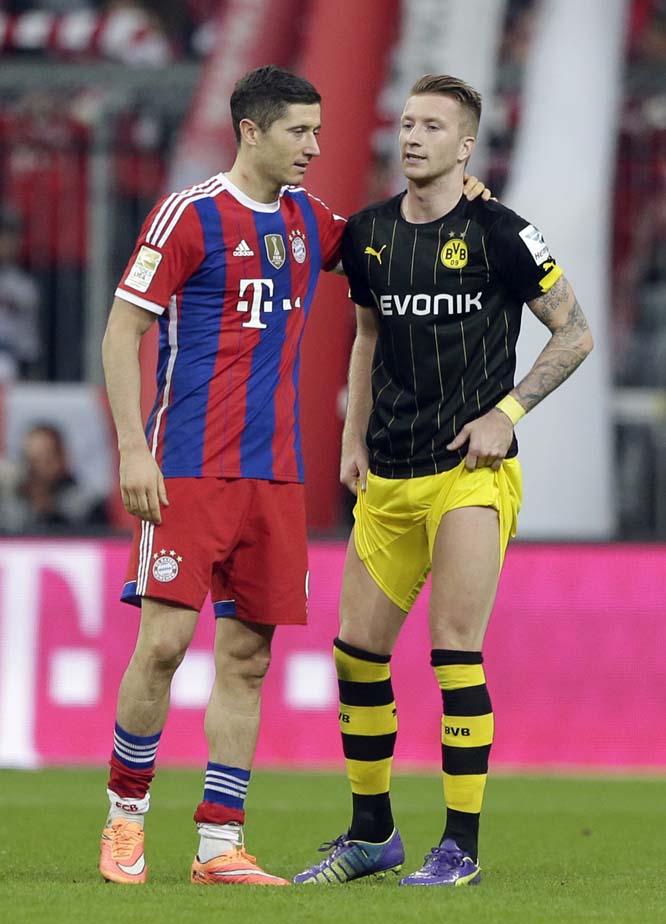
{"points": [[397, 520]]}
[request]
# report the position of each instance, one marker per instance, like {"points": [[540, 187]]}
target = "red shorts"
{"points": [[244, 540]]}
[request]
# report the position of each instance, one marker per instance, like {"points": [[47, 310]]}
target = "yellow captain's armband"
{"points": [[551, 277], [512, 408]]}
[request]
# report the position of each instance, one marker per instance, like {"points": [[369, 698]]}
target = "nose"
{"points": [[413, 135], [312, 146]]}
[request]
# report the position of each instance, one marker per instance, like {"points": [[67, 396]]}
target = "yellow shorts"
{"points": [[397, 520]]}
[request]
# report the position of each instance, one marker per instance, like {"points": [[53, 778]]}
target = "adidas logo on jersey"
{"points": [[243, 250]]}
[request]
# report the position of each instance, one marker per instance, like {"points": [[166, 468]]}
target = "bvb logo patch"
{"points": [[454, 254]]}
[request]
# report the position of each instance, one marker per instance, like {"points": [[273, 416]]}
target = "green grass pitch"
{"points": [[555, 850]]}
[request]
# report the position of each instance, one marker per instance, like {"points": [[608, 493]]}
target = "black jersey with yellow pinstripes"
{"points": [[448, 295]]}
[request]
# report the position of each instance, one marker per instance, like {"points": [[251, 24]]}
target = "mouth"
{"points": [[411, 158], [302, 165]]}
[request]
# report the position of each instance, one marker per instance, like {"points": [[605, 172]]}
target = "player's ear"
{"points": [[249, 132], [467, 144]]}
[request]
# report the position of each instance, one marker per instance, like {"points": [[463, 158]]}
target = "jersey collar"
{"points": [[457, 210], [244, 199]]}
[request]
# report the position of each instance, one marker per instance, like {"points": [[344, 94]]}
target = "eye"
{"points": [[433, 127], [406, 126]]}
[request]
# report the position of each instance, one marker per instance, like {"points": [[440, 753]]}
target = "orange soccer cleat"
{"points": [[236, 867], [122, 858]]}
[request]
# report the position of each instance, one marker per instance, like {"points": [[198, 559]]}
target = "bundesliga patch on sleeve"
{"points": [[145, 267], [532, 238]]}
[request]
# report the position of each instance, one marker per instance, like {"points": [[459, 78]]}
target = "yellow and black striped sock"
{"points": [[467, 735], [369, 725]]}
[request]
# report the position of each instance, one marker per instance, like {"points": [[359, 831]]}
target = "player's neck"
{"points": [[430, 201], [252, 184]]}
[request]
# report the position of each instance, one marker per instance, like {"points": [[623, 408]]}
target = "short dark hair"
{"points": [[264, 94], [468, 97]]}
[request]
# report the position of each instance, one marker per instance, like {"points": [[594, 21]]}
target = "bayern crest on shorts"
{"points": [[165, 565]]}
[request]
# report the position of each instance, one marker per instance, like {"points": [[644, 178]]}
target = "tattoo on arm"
{"points": [[569, 344]]}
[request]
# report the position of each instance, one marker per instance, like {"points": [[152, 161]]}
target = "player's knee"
{"points": [[163, 655], [247, 666], [460, 634]]}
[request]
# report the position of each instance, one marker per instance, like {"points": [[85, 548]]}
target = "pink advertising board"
{"points": [[575, 659]]}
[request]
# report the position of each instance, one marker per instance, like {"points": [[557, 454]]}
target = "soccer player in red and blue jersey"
{"points": [[228, 268]]}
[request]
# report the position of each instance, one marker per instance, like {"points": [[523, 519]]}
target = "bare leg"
{"points": [[465, 572], [164, 635], [242, 657], [368, 618]]}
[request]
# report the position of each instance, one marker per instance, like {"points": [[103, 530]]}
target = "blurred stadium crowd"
{"points": [[138, 32], [92, 97]]}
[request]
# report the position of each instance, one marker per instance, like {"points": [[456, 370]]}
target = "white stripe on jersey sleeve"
{"points": [[181, 208], [176, 204], [169, 204], [138, 301]]}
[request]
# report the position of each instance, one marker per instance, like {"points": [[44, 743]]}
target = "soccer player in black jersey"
{"points": [[429, 449]]}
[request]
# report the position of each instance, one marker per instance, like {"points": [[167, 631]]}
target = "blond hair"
{"points": [[468, 98]]}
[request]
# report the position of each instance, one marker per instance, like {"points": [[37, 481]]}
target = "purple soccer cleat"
{"points": [[446, 865], [350, 860]]}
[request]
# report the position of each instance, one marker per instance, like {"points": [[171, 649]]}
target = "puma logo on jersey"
{"points": [[375, 253]]}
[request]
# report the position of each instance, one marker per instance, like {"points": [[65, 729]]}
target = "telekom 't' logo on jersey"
{"points": [[261, 290]]}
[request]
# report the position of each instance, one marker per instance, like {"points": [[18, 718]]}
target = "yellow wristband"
{"points": [[512, 408]]}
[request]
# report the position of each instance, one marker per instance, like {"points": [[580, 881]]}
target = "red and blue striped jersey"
{"points": [[232, 281]]}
